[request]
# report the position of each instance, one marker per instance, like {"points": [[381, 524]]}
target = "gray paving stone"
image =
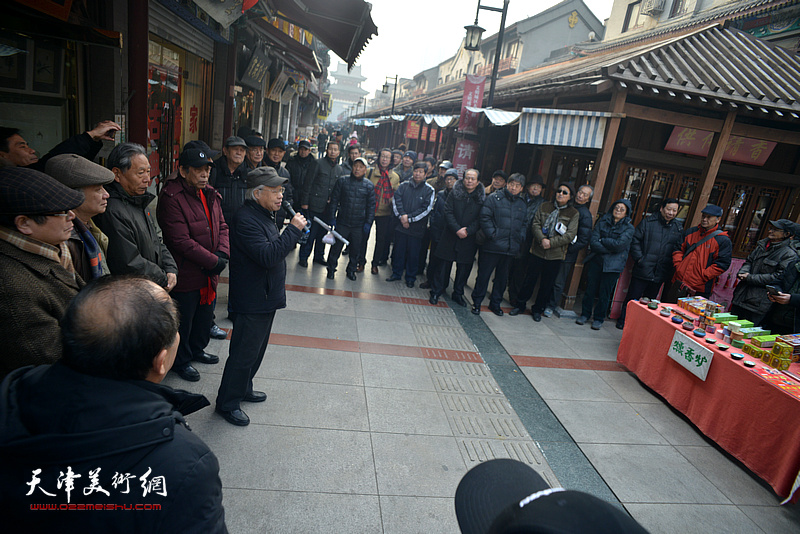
{"points": [[445, 343], [675, 429], [436, 320], [440, 331], [550, 346], [418, 515], [414, 465], [487, 427], [293, 459], [299, 301], [692, 519], [415, 309], [405, 411], [394, 332], [312, 365], [456, 404], [446, 368], [381, 310], [628, 387], [652, 474], [605, 422], [396, 372], [775, 519], [738, 485], [320, 325], [310, 405], [255, 511], [570, 384]]}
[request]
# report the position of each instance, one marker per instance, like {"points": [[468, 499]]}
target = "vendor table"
{"points": [[746, 415]]}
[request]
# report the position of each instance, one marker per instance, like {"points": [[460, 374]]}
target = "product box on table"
{"points": [[765, 341]]}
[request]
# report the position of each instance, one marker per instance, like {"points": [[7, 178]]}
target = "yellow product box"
{"points": [[782, 349], [767, 356], [748, 348], [766, 341], [775, 361], [784, 364]]}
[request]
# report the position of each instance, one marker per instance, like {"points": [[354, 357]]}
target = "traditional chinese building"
{"points": [[346, 93]]}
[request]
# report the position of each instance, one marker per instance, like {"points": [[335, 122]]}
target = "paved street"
{"points": [[379, 403]]}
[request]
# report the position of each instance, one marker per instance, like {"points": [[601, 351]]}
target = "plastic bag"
{"points": [[328, 239]]}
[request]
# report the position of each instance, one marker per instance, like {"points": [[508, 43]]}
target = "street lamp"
{"points": [[473, 42], [386, 90]]}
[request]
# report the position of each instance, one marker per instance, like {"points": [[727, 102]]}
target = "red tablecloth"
{"points": [[753, 420]]}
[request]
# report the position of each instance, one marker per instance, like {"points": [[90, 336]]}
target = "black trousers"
{"points": [[559, 282], [439, 275], [354, 234], [544, 271], [248, 344], [314, 240], [637, 289], [516, 275], [195, 327], [600, 285], [406, 255], [383, 238], [489, 262]]}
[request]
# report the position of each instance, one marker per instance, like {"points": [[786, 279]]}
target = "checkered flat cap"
{"points": [[28, 192]]}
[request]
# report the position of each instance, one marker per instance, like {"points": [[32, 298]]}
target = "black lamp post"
{"points": [[473, 42], [386, 90]]}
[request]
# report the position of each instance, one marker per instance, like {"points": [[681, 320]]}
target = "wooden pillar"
{"points": [[511, 146], [606, 154], [711, 168], [547, 159]]}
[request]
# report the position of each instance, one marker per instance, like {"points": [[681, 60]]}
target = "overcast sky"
{"points": [[414, 35]]}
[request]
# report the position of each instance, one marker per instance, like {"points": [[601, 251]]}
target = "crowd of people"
{"points": [[67, 222]]}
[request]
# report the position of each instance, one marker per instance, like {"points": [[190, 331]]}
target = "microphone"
{"points": [[288, 207]]}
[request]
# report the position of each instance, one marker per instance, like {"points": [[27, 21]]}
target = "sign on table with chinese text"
{"points": [[739, 149], [473, 97], [692, 355]]}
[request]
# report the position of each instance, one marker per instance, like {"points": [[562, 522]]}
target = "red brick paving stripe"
{"points": [[289, 340], [568, 363]]}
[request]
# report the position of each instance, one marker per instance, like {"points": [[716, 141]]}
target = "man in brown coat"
{"points": [[37, 279]]}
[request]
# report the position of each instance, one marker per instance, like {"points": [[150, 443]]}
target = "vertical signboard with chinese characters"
{"points": [[690, 354], [473, 97], [464, 155]]}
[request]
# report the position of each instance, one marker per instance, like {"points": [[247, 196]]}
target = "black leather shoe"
{"points": [[303, 263], [537, 316], [187, 372], [620, 325], [392, 279], [218, 333], [425, 285], [206, 358], [330, 274], [459, 299], [476, 310], [321, 261], [409, 284], [496, 310], [374, 269], [255, 396], [235, 417], [351, 276], [434, 299], [516, 311]]}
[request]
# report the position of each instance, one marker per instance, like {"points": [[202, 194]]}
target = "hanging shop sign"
{"points": [[739, 149], [256, 70], [465, 155], [473, 97]]}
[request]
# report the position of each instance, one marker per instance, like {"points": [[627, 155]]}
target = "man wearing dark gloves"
{"points": [[257, 287], [194, 229]]}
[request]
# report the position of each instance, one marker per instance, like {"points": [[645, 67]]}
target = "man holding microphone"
{"points": [[256, 291]]}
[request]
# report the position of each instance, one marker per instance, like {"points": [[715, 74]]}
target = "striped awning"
{"points": [[442, 121], [562, 127], [498, 117]]}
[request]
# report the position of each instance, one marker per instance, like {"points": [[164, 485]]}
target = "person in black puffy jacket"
{"points": [[654, 241], [353, 209], [609, 245], [503, 221]]}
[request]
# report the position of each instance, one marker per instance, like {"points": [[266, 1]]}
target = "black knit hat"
{"points": [[28, 192]]}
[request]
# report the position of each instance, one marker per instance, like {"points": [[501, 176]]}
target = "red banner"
{"points": [[464, 156], [473, 97], [739, 149]]}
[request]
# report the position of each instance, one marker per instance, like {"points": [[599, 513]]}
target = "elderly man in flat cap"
{"points": [[87, 244], [190, 216], [229, 175], [255, 152], [257, 277], [37, 278]]}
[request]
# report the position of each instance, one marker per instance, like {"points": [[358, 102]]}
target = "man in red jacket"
{"points": [[195, 232], [704, 255]]}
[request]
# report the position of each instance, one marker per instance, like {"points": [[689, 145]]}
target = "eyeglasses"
{"points": [[64, 213], [276, 191], [563, 191]]}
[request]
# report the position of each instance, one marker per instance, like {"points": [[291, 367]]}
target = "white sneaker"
{"points": [[548, 312]]}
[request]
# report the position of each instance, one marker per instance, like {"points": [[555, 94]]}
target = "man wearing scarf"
{"points": [[194, 229], [38, 279], [87, 244]]}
